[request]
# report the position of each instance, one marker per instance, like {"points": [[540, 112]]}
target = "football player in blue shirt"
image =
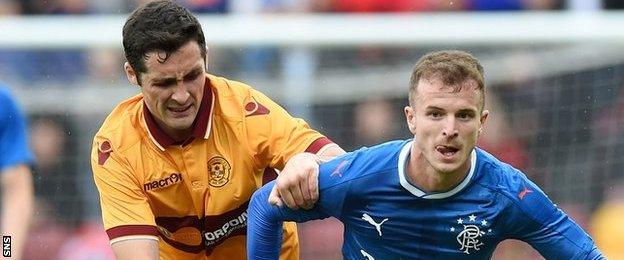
{"points": [[436, 196], [15, 176]]}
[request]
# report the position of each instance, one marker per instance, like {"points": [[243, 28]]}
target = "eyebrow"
{"points": [[463, 110], [168, 80]]}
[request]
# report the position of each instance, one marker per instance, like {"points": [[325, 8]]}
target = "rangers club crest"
{"points": [[469, 232], [219, 170]]}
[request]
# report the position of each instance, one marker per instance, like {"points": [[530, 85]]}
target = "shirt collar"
{"points": [[402, 164], [201, 125]]}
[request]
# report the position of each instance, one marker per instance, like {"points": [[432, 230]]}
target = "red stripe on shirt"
{"points": [[318, 144], [131, 230]]}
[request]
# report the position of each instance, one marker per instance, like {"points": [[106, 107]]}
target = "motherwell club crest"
{"points": [[219, 170]]}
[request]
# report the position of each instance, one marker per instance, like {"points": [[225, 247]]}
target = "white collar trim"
{"points": [[403, 159]]}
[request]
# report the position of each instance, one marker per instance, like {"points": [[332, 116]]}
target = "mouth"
{"points": [[179, 111], [447, 151]]}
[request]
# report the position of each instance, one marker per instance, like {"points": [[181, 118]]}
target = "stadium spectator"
{"points": [[9, 7], [435, 195], [15, 176], [55, 177], [176, 165], [375, 121], [499, 140]]}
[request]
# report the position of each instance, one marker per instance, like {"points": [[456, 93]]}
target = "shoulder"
{"points": [[7, 103], [121, 129], [227, 88], [498, 174], [517, 189], [5, 94], [237, 99], [10, 113], [230, 94]]}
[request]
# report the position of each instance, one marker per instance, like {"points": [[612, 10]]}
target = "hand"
{"points": [[297, 183]]}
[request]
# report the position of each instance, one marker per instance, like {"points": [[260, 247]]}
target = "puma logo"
{"points": [[370, 220], [524, 193], [367, 255]]}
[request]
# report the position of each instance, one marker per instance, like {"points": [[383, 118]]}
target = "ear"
{"points": [[207, 58], [410, 118], [131, 74], [484, 116]]}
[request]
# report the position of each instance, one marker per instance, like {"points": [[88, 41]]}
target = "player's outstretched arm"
{"points": [[536, 220], [264, 224], [130, 249]]}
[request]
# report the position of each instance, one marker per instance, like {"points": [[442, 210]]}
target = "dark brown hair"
{"points": [[159, 26]]}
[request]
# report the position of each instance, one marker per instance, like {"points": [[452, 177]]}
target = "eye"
{"points": [[192, 76], [465, 115], [434, 114], [163, 84]]}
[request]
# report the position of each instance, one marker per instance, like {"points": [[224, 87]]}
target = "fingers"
{"points": [[297, 184], [313, 186], [274, 198], [288, 198], [304, 186]]}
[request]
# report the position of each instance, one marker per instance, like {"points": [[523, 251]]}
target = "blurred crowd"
{"points": [[586, 113], [63, 67]]}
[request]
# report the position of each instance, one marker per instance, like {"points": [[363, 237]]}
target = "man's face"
{"points": [[173, 89], [446, 124]]}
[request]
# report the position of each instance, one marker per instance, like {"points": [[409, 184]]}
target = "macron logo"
{"points": [[370, 220], [524, 193]]}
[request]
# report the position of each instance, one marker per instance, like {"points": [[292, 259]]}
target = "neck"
{"points": [[178, 135], [421, 174]]}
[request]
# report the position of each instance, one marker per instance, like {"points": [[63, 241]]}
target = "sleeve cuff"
{"points": [[318, 144], [131, 230]]}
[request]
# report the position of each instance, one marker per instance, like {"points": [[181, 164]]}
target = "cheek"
{"points": [[197, 90], [156, 98]]}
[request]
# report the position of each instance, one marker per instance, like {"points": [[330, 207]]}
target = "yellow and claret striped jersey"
{"points": [[193, 196]]}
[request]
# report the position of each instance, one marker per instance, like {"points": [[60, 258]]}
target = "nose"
{"points": [[450, 128], [180, 93]]}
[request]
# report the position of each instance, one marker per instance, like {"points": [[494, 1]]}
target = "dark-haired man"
{"points": [[176, 165]]}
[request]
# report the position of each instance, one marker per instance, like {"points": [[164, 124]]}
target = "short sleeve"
{"points": [[14, 148], [275, 136], [125, 207]]}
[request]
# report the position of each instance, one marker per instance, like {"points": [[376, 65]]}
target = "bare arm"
{"points": [[140, 249], [329, 152], [17, 201]]}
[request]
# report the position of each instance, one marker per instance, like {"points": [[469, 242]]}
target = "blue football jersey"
{"points": [[386, 217], [13, 135]]}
